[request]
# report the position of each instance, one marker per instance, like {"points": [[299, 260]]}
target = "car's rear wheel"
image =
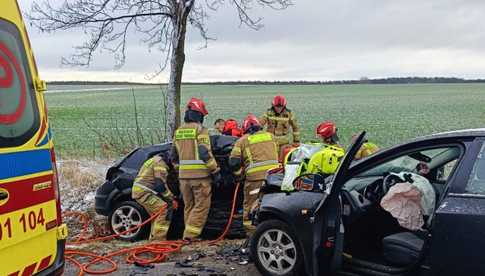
{"points": [[127, 215], [275, 249]]}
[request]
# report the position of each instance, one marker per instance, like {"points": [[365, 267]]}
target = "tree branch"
{"points": [[107, 24]]}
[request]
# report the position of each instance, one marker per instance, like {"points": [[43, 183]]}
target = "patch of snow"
{"points": [[78, 181]]}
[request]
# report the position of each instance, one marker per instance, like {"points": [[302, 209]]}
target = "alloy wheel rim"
{"points": [[124, 218], [277, 251]]}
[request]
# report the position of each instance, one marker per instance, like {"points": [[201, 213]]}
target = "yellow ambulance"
{"points": [[32, 235]]}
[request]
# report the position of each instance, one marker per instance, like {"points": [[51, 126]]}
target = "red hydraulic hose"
{"points": [[158, 250]]}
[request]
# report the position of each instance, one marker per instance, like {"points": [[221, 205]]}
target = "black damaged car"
{"points": [[113, 198], [338, 227]]}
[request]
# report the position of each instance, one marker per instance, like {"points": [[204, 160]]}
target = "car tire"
{"points": [[275, 249], [126, 215]]}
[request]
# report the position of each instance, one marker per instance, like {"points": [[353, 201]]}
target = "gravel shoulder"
{"points": [[78, 182], [199, 259]]}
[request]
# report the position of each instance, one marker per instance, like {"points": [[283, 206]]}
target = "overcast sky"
{"points": [[312, 40]]}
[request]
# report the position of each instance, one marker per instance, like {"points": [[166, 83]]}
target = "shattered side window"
{"points": [[476, 181]]}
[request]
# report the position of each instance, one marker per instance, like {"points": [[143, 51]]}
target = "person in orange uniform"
{"points": [[254, 153], [279, 119], [197, 168]]}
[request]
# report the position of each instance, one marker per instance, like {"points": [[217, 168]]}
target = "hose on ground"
{"points": [[158, 251]]}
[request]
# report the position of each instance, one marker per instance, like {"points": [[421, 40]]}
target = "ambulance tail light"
{"points": [[55, 185]]}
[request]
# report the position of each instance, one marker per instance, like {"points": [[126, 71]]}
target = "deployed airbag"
{"points": [[403, 201], [410, 200]]}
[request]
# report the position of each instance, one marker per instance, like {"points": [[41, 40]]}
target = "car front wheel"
{"points": [[127, 215], [275, 249]]}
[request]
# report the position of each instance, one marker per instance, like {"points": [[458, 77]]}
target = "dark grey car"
{"points": [[339, 227], [113, 198]]}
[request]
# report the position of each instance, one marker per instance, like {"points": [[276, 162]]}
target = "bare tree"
{"points": [[162, 23]]}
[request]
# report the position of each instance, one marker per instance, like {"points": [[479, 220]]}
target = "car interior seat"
{"points": [[402, 249]]}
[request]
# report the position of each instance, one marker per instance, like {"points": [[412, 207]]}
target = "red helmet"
{"points": [[197, 105], [279, 101], [231, 127], [250, 121], [326, 129]]}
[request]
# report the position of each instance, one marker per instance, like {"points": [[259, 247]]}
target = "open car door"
{"points": [[327, 229]]}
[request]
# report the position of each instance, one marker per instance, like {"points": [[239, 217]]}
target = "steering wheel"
{"points": [[390, 181]]}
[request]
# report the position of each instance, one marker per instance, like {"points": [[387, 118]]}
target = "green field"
{"points": [[390, 113]]}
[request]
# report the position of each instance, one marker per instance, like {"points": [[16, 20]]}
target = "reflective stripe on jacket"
{"points": [[153, 168], [187, 139], [258, 153], [279, 125]]}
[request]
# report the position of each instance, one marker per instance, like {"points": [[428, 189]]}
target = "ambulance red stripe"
{"points": [[44, 263], [43, 127], [28, 271], [22, 194]]}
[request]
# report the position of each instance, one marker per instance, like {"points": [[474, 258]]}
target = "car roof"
{"points": [[463, 133], [470, 133]]}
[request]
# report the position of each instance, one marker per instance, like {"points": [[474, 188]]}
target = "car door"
{"points": [[327, 230], [457, 241]]}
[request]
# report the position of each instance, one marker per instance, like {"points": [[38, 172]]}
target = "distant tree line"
{"points": [[98, 83], [406, 80]]}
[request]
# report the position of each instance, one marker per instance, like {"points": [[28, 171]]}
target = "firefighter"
{"points": [[150, 191], [196, 165], [326, 160], [327, 132], [278, 120], [367, 148], [255, 153], [231, 128]]}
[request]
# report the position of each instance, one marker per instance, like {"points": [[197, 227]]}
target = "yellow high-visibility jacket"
{"points": [[325, 161], [258, 153], [190, 138], [367, 149]]}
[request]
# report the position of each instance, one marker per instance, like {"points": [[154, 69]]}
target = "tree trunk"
{"points": [[177, 61]]}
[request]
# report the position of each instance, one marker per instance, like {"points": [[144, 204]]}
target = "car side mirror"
{"points": [[310, 182]]}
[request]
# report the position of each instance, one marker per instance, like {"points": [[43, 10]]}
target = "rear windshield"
{"points": [[19, 116]]}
